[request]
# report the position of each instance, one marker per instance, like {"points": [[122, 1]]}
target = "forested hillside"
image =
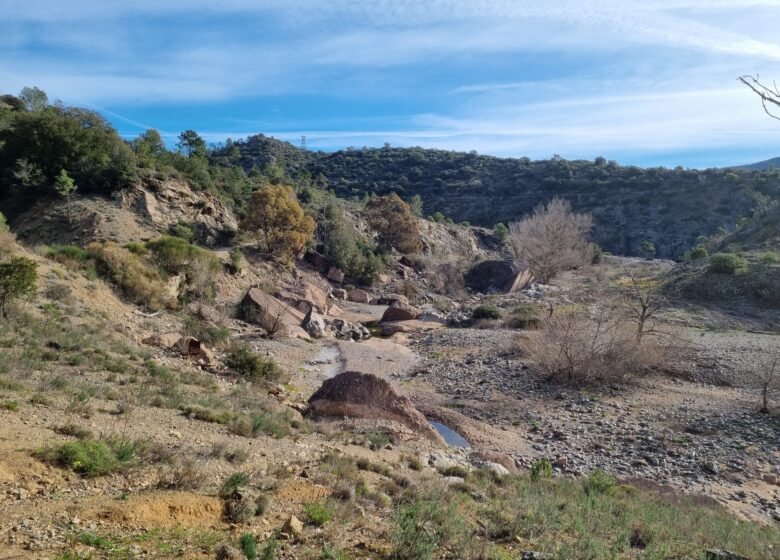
{"points": [[669, 208]]}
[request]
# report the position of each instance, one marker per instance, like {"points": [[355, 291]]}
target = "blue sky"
{"points": [[650, 82]]}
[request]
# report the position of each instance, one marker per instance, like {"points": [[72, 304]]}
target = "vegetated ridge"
{"points": [[670, 208]]}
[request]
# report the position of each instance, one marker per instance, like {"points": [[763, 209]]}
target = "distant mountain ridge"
{"points": [[761, 165], [670, 208]]}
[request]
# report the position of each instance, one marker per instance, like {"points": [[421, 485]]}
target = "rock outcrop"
{"points": [[169, 202], [503, 276], [364, 395]]}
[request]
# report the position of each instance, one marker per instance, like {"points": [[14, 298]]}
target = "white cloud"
{"points": [[662, 74]]}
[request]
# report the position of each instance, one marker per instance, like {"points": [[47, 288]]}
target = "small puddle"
{"points": [[450, 436], [328, 361]]}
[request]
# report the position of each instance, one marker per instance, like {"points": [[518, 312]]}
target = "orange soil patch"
{"points": [[164, 510], [301, 492]]}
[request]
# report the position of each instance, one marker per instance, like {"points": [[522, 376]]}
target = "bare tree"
{"points": [[552, 239], [642, 304], [770, 95], [767, 381]]}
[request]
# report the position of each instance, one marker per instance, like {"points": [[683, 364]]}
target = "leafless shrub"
{"points": [[582, 346], [643, 304], [768, 381], [182, 473], [552, 239]]}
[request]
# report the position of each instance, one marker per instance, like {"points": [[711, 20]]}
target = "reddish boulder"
{"points": [[399, 311], [335, 275], [364, 395], [358, 296]]}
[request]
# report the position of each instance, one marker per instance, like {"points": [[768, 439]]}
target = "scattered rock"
{"points": [[364, 395], [531, 555], [720, 554], [433, 317], [293, 528], [166, 340], [227, 552], [339, 293], [453, 480], [349, 331], [495, 457]]}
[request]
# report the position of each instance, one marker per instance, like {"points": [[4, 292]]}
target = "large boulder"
{"points": [[503, 276], [358, 296], [315, 325], [400, 311], [335, 275], [364, 395], [276, 317]]}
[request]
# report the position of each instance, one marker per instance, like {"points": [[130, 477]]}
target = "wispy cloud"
{"points": [[523, 76]]}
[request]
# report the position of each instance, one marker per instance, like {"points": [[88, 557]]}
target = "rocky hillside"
{"points": [[671, 208]]}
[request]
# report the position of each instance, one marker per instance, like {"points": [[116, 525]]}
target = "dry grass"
{"points": [[139, 281]]}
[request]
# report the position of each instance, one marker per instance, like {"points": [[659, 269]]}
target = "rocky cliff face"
{"points": [[141, 212], [166, 203]]}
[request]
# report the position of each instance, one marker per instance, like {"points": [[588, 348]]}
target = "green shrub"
{"points": [[11, 406], [330, 553], [525, 315], [541, 468], [182, 230], [89, 458], [63, 253], [698, 252], [18, 278], [173, 253], [137, 248], [727, 263], [486, 312], [138, 281], [234, 266], [769, 257], [205, 332], [269, 550], [232, 483], [316, 513], [424, 525], [248, 544], [251, 365], [345, 247], [598, 482], [176, 255], [501, 232], [596, 253]]}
